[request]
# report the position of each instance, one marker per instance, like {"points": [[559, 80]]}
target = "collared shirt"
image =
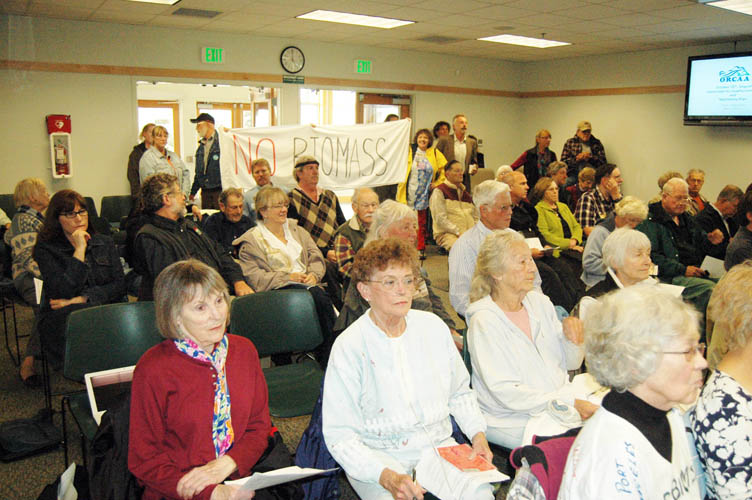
{"points": [[593, 207], [460, 150], [207, 147], [462, 259]]}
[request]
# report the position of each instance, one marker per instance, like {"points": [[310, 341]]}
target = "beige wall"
{"points": [[642, 133]]}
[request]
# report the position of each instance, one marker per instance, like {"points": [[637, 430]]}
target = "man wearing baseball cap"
{"points": [[581, 150], [208, 177]]}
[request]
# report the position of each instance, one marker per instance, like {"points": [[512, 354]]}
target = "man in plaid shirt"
{"points": [[597, 203], [349, 237], [582, 149]]}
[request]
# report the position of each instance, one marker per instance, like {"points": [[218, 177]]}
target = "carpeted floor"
{"points": [[25, 479]]}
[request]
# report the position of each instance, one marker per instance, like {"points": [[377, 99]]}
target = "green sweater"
{"points": [[551, 228]]}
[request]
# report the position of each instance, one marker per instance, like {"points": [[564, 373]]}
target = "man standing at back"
{"points": [[458, 146], [582, 149], [208, 177]]}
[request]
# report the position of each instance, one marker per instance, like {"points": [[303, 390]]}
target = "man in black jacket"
{"points": [[208, 177], [721, 215], [229, 223], [168, 237]]}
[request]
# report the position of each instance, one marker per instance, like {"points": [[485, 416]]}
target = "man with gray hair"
{"points": [[461, 147], [721, 215], [349, 237], [557, 171], [695, 181], [629, 212], [494, 204], [229, 223], [678, 244]]}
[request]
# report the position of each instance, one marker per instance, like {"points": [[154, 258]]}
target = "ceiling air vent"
{"points": [[205, 14], [438, 39]]}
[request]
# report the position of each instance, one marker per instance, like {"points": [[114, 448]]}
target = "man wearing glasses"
{"points": [[168, 237], [679, 245]]}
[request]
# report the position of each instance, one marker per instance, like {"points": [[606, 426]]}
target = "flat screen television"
{"points": [[719, 90]]}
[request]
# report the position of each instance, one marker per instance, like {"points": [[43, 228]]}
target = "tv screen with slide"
{"points": [[719, 90]]}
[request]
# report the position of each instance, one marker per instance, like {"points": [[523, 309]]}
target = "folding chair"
{"points": [[283, 321]]}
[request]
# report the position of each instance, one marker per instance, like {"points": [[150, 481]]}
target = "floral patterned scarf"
{"points": [[222, 433]]}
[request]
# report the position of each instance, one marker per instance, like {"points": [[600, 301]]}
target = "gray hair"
{"points": [[730, 305], [359, 192], [502, 170], [178, 284], [696, 171], [387, 214], [554, 167], [730, 193], [674, 183], [493, 257], [619, 243], [627, 330], [486, 192], [630, 206]]}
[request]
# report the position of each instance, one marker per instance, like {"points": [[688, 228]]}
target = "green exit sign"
{"points": [[363, 66], [212, 55]]}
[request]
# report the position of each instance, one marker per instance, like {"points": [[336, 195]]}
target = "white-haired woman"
{"points": [[722, 419], [519, 349], [642, 343], [626, 256], [393, 220], [629, 212]]}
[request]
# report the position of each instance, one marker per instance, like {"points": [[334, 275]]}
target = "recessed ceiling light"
{"points": [[357, 19], [539, 43], [160, 2], [742, 6]]}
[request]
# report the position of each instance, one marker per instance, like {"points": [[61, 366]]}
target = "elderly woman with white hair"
{"points": [[394, 220], [642, 343], [626, 256], [722, 419], [520, 351], [628, 212]]}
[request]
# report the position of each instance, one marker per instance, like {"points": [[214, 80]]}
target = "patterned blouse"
{"points": [[722, 425]]}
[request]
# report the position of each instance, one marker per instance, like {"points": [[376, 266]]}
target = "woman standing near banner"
{"points": [[425, 169]]}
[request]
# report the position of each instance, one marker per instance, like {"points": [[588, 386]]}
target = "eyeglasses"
{"points": [[390, 284], [368, 205], [73, 214], [278, 206], [680, 199], [503, 208], [690, 353]]}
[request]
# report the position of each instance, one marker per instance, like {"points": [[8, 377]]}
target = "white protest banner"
{"points": [[349, 156]]}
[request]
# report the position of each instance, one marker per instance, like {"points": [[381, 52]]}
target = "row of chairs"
{"points": [[117, 335], [113, 208]]}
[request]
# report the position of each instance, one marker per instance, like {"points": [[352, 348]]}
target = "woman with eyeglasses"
{"points": [[642, 343], [79, 268], [519, 349], [394, 378], [278, 253]]}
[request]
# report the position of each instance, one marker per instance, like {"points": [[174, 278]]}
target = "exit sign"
{"points": [[213, 55], [363, 66]]}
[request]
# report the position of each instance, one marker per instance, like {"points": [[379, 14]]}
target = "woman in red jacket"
{"points": [[199, 404]]}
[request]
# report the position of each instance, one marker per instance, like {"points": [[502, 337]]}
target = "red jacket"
{"points": [[172, 405]]}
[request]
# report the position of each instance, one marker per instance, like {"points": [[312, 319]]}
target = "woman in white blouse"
{"points": [[519, 349], [277, 253], [393, 380]]}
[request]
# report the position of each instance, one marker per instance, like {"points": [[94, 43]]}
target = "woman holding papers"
{"points": [[519, 349], [199, 403], [642, 343], [394, 378], [278, 253]]}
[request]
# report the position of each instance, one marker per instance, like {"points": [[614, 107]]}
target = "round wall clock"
{"points": [[292, 59]]}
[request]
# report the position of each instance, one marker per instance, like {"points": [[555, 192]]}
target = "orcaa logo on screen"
{"points": [[735, 74]]}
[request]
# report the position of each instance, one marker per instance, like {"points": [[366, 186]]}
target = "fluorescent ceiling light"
{"points": [[357, 19], [160, 2], [743, 6], [539, 43]]}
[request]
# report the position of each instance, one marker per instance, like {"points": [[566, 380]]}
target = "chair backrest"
{"points": [[114, 208], [91, 207], [110, 336], [277, 321], [7, 205]]}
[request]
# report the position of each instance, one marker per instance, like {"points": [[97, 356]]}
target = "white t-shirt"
{"points": [[611, 459]]}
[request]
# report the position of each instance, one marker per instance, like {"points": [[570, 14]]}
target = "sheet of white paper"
{"points": [[261, 480], [713, 266], [534, 243], [38, 289], [675, 290], [66, 490]]}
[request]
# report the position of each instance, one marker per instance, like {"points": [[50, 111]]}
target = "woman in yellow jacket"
{"points": [[557, 225], [425, 169]]}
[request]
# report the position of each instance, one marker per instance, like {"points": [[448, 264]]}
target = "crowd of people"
{"points": [[551, 267]]}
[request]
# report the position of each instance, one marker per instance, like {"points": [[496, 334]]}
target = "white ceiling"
{"points": [[592, 26]]}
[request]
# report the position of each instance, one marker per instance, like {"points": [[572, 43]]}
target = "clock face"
{"points": [[292, 59]]}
